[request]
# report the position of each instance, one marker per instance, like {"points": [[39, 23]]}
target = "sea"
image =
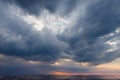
{"points": [[62, 77]]}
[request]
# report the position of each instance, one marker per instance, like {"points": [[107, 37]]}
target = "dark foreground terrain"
{"points": [[50, 77]]}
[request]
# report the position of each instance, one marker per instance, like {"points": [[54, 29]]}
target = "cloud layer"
{"points": [[85, 31]]}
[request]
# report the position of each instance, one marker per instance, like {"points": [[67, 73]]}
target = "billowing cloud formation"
{"points": [[86, 31], [20, 36]]}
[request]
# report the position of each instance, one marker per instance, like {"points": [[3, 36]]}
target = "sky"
{"points": [[59, 37]]}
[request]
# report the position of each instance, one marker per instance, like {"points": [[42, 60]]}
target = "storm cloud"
{"points": [[43, 30]]}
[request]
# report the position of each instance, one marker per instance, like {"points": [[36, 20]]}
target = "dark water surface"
{"points": [[65, 77]]}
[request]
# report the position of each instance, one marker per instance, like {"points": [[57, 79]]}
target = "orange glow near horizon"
{"points": [[114, 65], [109, 66], [61, 73], [68, 73]]}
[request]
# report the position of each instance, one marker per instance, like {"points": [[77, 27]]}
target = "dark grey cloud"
{"points": [[84, 41], [20, 39], [35, 7], [103, 18], [86, 45]]}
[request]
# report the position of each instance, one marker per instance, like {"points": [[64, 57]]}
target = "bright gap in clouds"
{"points": [[47, 20], [56, 22]]}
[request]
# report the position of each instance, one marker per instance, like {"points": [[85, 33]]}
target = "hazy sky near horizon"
{"points": [[59, 37]]}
